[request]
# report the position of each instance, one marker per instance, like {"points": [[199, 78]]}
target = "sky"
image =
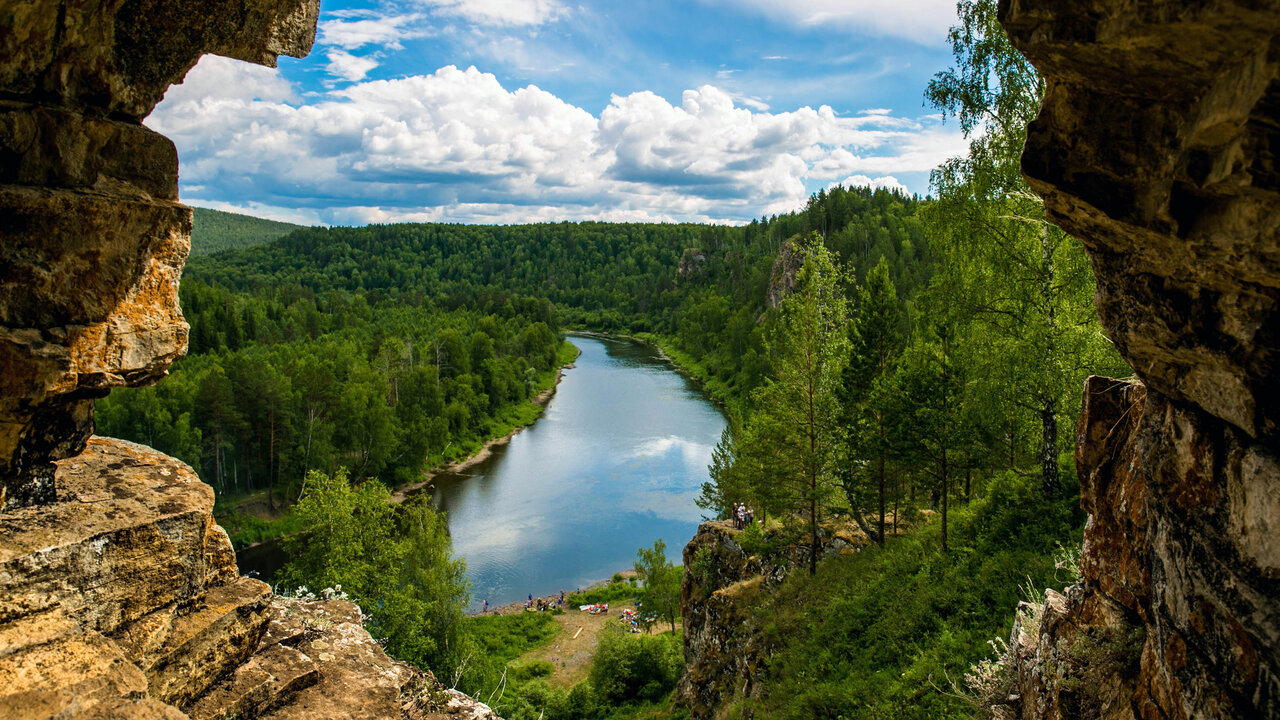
{"points": [[511, 111]]}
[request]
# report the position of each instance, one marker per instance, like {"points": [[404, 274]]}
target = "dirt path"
{"points": [[574, 644]]}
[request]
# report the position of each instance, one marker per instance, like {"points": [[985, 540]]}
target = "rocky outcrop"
{"points": [[119, 594], [724, 649], [92, 238], [782, 277], [122, 599], [1156, 147], [692, 264]]}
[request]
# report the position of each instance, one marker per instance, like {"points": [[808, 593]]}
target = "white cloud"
{"points": [[383, 31], [502, 12], [457, 146], [349, 67], [922, 21], [887, 182]]}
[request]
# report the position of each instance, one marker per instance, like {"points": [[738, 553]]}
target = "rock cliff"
{"points": [[92, 237], [119, 594], [1156, 146], [723, 648], [122, 600]]}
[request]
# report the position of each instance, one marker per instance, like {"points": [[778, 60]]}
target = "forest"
{"points": [[880, 357]]}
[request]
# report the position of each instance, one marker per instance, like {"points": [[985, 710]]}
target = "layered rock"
{"points": [[92, 238], [1156, 147], [122, 599]]}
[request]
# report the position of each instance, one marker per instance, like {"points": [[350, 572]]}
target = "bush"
{"points": [[613, 592], [529, 670], [630, 667]]}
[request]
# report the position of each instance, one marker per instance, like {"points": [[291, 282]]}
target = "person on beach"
{"points": [[486, 605]]}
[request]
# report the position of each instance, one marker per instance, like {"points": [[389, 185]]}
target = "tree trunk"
{"points": [[1049, 448], [880, 429], [944, 500], [881, 481], [813, 533]]}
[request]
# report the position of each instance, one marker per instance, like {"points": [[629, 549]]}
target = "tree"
{"points": [[933, 393], [661, 581], [393, 561], [868, 392], [796, 434], [1023, 279]]}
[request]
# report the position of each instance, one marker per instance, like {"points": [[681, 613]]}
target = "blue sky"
{"points": [[530, 110]]}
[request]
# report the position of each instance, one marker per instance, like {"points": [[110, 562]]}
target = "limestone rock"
{"points": [[782, 277], [1155, 148], [268, 680], [357, 680], [92, 239], [133, 533]]}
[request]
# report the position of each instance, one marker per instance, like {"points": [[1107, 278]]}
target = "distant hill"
{"points": [[216, 231]]}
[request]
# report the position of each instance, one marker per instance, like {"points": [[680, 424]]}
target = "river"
{"points": [[614, 463]]}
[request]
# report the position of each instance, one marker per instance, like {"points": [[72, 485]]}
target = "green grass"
{"points": [[246, 528], [885, 632]]}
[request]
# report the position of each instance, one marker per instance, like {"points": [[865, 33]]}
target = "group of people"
{"points": [[743, 515], [541, 604]]}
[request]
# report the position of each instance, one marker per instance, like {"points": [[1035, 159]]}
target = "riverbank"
{"points": [[272, 525], [404, 492], [550, 601], [682, 362]]}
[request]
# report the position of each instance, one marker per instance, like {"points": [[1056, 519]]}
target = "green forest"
{"points": [[880, 357], [214, 231]]}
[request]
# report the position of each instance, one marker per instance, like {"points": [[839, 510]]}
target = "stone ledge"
{"points": [[133, 533]]}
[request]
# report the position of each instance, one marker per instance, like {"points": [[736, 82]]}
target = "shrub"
{"points": [[529, 670], [629, 667]]}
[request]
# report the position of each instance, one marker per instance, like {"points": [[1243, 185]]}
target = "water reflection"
{"points": [[614, 463]]}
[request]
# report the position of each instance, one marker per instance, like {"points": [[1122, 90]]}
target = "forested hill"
{"points": [[702, 286], [382, 349], [215, 231]]}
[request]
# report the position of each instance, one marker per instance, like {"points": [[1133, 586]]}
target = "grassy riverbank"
{"points": [[250, 519]]}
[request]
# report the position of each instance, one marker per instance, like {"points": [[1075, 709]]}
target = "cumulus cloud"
{"points": [[888, 182], [501, 12], [922, 21], [457, 146], [349, 67]]}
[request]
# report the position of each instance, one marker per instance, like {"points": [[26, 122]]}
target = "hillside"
{"points": [[215, 231]]}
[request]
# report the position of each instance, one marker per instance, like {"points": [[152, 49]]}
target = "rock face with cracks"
{"points": [[1156, 147], [92, 238], [119, 594]]}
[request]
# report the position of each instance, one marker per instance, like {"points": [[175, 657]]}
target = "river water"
{"points": [[614, 463]]}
